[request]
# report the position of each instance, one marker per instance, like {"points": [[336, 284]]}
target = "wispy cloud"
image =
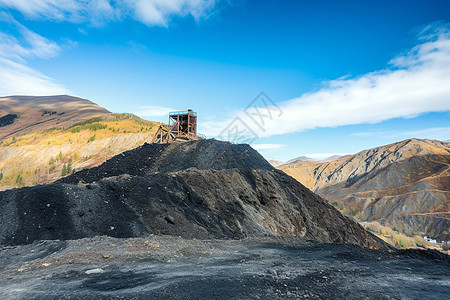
{"points": [[18, 79], [24, 43], [15, 49], [21, 44], [98, 12], [416, 82], [438, 133], [153, 111], [267, 146]]}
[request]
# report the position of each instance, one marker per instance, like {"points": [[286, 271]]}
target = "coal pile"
{"points": [[200, 189]]}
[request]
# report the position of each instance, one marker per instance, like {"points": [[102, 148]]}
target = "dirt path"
{"points": [[165, 267]]}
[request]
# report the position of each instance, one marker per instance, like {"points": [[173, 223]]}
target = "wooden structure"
{"points": [[182, 126]]}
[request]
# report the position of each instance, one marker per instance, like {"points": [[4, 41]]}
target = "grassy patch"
{"points": [[394, 237]]}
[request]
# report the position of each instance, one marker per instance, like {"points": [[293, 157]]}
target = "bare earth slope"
{"points": [[45, 156], [24, 114], [199, 189], [405, 184]]}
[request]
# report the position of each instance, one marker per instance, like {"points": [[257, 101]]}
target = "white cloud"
{"points": [[153, 111], [16, 78], [97, 12], [417, 82], [438, 133], [63, 10], [30, 45], [267, 146], [15, 49]]}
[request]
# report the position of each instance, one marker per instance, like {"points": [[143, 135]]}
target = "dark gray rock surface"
{"points": [[167, 267], [211, 189]]}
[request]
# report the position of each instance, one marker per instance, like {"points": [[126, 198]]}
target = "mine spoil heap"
{"points": [[200, 189]]}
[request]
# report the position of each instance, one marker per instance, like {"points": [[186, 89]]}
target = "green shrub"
{"points": [[1, 176], [90, 121], [95, 126], [76, 129], [91, 127], [52, 168], [91, 139], [19, 180], [353, 212], [67, 168], [446, 246], [64, 170]]}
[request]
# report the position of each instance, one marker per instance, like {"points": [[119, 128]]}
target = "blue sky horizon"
{"points": [[336, 77]]}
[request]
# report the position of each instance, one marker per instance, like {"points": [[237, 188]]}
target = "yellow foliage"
{"points": [[395, 238], [44, 142]]}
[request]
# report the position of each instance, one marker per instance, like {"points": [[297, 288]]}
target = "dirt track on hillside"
{"points": [[166, 267]]}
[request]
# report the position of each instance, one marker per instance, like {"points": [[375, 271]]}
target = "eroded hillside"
{"points": [[405, 185], [27, 114], [45, 156]]}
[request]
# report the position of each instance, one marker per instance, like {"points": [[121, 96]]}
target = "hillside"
{"points": [[45, 156], [405, 185], [48, 137], [199, 189], [26, 114]]}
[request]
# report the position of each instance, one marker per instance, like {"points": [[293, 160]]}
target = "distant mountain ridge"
{"points": [[405, 185], [25, 114], [300, 158], [277, 163]]}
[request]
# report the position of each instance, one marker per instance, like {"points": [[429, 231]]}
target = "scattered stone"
{"points": [[94, 271], [169, 219]]}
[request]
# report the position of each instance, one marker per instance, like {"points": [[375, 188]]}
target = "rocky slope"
{"points": [[404, 185], [199, 189], [25, 114], [168, 267]]}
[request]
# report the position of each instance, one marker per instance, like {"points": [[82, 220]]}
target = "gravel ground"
{"points": [[168, 267]]}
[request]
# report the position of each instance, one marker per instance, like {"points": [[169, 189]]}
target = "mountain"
{"points": [[405, 185], [333, 157], [275, 162], [25, 114], [199, 189], [300, 158], [46, 138]]}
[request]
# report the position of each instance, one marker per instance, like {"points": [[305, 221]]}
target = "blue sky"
{"points": [[340, 76]]}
